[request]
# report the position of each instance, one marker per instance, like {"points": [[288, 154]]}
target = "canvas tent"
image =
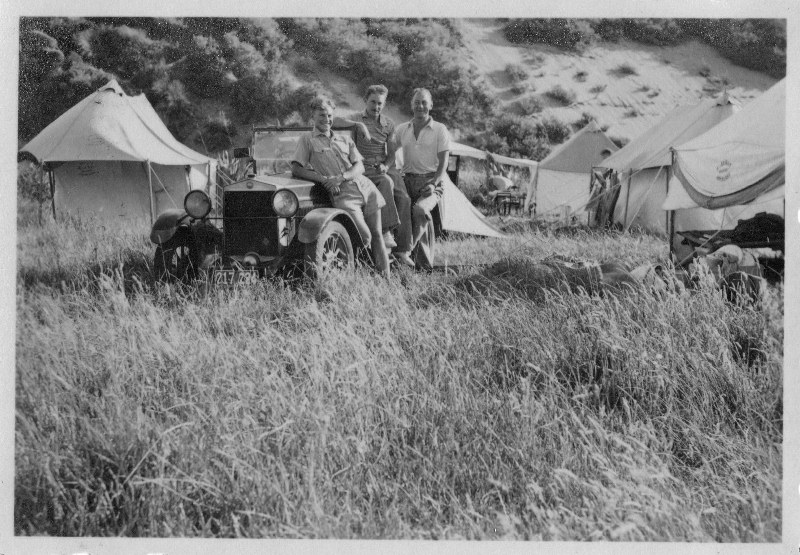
{"points": [[111, 158], [735, 169], [739, 161], [642, 168], [562, 180]]}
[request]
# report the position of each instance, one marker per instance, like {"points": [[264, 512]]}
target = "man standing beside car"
{"points": [[378, 150], [426, 152], [336, 163]]}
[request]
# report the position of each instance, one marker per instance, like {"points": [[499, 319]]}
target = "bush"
{"points": [[259, 100], [554, 130], [516, 73], [521, 88], [169, 99], [610, 30], [561, 95], [562, 33], [529, 105], [624, 70], [597, 89], [660, 32], [204, 72], [580, 76], [758, 44], [521, 138], [126, 52], [217, 134], [459, 98], [583, 121]]}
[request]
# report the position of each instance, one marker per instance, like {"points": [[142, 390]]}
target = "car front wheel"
{"points": [[174, 260], [332, 249]]}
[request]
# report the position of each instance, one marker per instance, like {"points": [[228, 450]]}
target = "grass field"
{"points": [[414, 407]]}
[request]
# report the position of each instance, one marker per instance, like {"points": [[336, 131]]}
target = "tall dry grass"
{"points": [[411, 407]]}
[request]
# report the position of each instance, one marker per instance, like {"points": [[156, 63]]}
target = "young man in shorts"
{"points": [[333, 160]]}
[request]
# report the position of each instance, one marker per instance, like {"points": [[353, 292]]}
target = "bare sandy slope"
{"points": [[664, 78]]}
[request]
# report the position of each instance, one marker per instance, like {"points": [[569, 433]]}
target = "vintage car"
{"points": [[265, 224]]}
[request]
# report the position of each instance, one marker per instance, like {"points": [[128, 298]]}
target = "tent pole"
{"points": [[52, 178], [627, 196], [670, 222], [152, 198]]}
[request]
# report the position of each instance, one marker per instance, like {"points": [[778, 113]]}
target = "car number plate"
{"points": [[234, 277]]}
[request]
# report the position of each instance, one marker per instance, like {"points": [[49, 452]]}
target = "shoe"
{"points": [[388, 240], [403, 258]]}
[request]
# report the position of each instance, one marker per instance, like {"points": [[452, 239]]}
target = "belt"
{"points": [[424, 175]]}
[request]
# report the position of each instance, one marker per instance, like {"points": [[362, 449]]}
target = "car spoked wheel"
{"points": [[332, 250], [174, 260]]}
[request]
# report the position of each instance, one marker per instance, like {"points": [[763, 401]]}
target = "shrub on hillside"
{"points": [[529, 105], [217, 134], [204, 71], [522, 138], [624, 70], [516, 73], [459, 98], [169, 99], [758, 44], [660, 32], [561, 95], [562, 33], [414, 35], [126, 52], [555, 130]]}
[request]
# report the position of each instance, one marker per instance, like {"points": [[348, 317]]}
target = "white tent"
{"points": [[740, 161], [643, 166], [563, 179], [732, 171], [112, 159], [458, 214]]}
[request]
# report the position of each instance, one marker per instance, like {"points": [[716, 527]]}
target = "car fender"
{"points": [[166, 225], [317, 219]]}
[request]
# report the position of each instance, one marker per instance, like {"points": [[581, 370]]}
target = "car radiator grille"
{"points": [[249, 223]]}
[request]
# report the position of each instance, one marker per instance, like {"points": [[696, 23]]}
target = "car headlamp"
{"points": [[197, 204], [285, 203]]}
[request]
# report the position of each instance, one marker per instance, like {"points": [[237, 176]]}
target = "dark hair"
{"points": [[320, 102], [376, 89]]}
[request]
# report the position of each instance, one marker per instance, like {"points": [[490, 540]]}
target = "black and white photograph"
{"points": [[324, 277]]}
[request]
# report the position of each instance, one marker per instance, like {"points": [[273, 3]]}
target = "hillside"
{"points": [[665, 77], [211, 79]]}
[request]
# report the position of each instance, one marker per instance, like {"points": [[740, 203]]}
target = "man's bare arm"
{"points": [[441, 170], [304, 173], [361, 129]]}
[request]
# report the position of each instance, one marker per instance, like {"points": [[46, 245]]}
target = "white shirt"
{"points": [[421, 154]]}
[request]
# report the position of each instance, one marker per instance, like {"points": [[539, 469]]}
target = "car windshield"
{"points": [[274, 148]]}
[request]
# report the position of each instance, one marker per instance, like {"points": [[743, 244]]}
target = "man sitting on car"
{"points": [[378, 150], [333, 160], [426, 152]]}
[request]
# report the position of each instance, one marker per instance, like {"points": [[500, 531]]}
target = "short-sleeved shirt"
{"points": [[421, 154], [332, 155], [383, 140]]}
